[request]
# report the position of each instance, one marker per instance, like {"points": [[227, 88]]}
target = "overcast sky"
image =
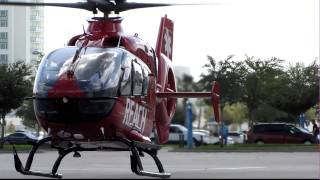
{"points": [[287, 29]]}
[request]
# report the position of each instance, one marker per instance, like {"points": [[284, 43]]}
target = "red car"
{"points": [[278, 133]]}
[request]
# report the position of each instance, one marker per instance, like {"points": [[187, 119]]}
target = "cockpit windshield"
{"points": [[97, 70]]}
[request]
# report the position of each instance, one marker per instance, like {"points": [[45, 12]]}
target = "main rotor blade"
{"points": [[79, 5], [122, 5], [105, 6]]}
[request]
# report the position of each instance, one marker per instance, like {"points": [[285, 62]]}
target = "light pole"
{"points": [[318, 108], [189, 120]]}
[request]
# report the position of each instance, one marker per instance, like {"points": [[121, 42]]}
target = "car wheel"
{"points": [[307, 142], [259, 142]]}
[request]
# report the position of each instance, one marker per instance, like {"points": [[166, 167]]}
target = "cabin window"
{"points": [[126, 82], [146, 73], [137, 79]]}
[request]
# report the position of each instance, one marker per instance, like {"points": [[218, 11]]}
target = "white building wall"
{"points": [[19, 34], [4, 29], [25, 33]]}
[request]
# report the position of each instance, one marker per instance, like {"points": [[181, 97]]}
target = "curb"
{"points": [[244, 151]]}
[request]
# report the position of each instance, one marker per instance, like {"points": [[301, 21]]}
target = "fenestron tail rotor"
{"points": [[105, 6]]}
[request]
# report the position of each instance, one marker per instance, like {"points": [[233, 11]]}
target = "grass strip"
{"points": [[251, 147], [19, 147]]}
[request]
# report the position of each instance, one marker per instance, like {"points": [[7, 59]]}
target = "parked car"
{"points": [[176, 131], [277, 133], [20, 137], [211, 139], [238, 137], [214, 138]]}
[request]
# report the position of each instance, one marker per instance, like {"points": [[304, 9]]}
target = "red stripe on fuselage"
{"points": [[66, 87]]}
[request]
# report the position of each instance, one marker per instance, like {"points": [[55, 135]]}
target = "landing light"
{"points": [[65, 100]]}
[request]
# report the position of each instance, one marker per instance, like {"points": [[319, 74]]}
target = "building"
{"points": [[21, 34], [21, 38]]}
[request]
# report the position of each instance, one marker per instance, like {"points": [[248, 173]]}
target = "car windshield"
{"points": [[182, 128], [202, 131], [303, 130]]}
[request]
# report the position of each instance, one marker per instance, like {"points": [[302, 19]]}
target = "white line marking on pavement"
{"points": [[236, 168], [228, 168]]}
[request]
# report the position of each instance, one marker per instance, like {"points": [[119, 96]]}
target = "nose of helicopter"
{"points": [[67, 102], [66, 86]]}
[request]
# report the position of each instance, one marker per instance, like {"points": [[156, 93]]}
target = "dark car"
{"points": [[20, 137], [278, 133]]}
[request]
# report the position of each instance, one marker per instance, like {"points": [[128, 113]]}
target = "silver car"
{"points": [[238, 137]]}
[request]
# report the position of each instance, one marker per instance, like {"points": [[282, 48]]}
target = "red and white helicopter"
{"points": [[107, 90]]}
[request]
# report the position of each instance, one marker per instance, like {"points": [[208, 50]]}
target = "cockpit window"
{"points": [[48, 72], [97, 70]]}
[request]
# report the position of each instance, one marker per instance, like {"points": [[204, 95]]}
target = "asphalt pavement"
{"points": [[186, 165]]}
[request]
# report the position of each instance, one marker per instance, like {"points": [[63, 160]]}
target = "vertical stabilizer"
{"points": [[165, 38]]}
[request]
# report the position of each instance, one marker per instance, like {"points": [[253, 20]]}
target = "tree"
{"points": [[26, 112], [15, 85], [311, 113], [259, 77], [235, 113], [298, 90], [11, 128], [267, 113], [264, 86], [229, 74]]}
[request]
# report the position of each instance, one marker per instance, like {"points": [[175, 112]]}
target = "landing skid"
{"points": [[136, 150]]}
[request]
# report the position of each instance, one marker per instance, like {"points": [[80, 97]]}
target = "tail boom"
{"points": [[214, 95]]}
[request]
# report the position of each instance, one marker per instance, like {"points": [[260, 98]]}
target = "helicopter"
{"points": [[107, 90]]}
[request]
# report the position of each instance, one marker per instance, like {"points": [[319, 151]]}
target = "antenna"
{"points": [[119, 41], [84, 31]]}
